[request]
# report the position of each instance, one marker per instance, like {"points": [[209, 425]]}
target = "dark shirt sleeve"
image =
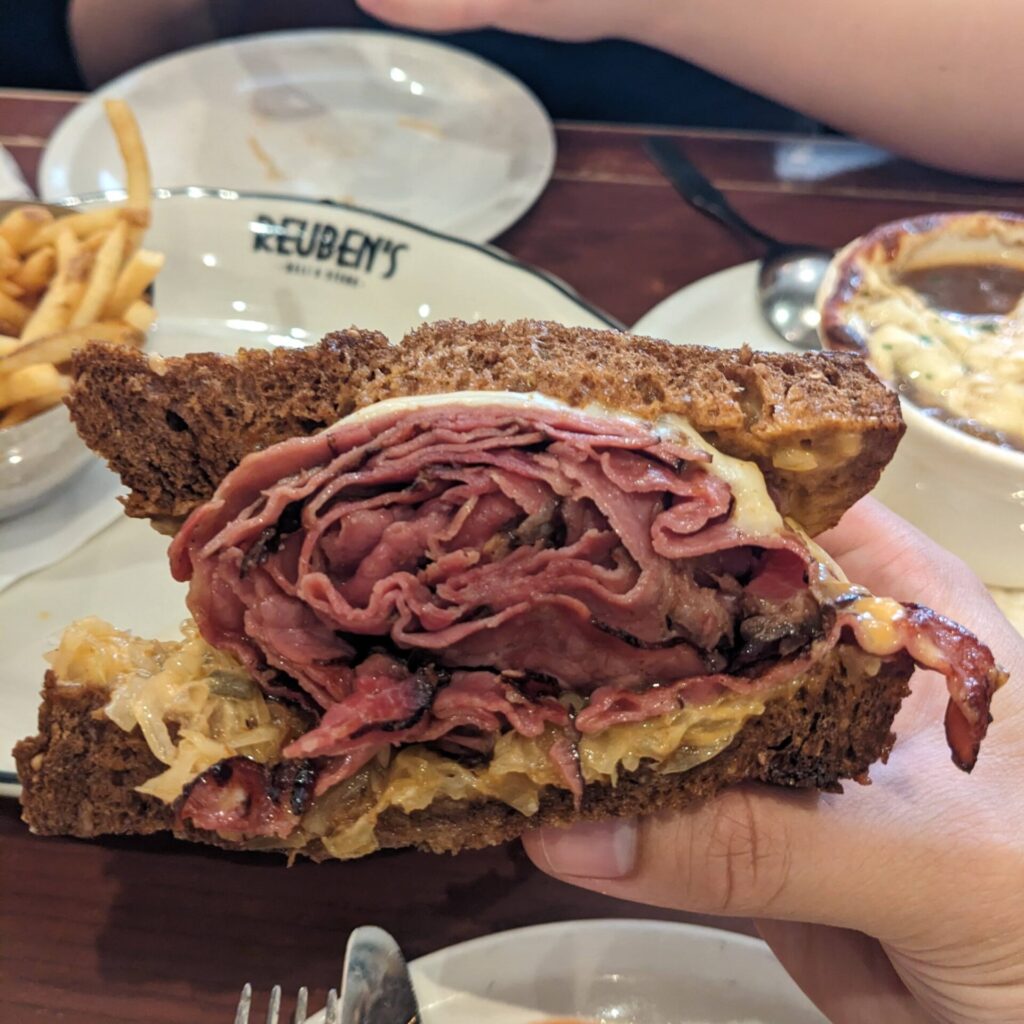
{"points": [[35, 49]]}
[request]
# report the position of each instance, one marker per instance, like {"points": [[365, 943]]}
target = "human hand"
{"points": [[555, 19], [902, 901]]}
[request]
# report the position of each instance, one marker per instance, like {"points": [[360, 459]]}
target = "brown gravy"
{"points": [[981, 289]]}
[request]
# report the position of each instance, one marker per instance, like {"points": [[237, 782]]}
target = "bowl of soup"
{"points": [[936, 305]]}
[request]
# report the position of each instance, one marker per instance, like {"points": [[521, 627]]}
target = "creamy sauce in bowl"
{"points": [[938, 308]]}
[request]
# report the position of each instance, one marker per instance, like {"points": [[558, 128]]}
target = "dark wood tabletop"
{"points": [[151, 930]]}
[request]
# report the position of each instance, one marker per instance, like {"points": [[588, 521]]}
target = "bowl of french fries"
{"points": [[67, 279]]}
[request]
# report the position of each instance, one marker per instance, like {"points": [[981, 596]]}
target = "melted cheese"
{"points": [[754, 513], [971, 367], [525, 400], [875, 618]]}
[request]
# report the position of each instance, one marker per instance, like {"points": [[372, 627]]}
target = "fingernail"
{"points": [[592, 849]]}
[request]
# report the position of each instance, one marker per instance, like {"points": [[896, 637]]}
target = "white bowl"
{"points": [[966, 493], [36, 457]]}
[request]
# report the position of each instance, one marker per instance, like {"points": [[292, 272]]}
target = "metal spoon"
{"points": [[789, 275], [375, 985]]}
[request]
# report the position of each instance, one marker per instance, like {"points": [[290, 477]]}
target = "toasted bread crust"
{"points": [[78, 774], [174, 428]]}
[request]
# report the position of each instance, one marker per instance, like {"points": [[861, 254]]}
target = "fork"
{"points": [[332, 1013]]}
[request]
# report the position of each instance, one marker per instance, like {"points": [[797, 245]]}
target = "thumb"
{"points": [[751, 852]]}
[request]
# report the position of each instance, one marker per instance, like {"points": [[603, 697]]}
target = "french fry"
{"points": [[140, 315], [81, 225], [22, 224], [13, 314], [36, 271], [72, 278], [57, 348], [31, 407], [136, 163], [62, 297], [9, 261], [136, 276], [94, 242], [106, 264], [31, 382]]}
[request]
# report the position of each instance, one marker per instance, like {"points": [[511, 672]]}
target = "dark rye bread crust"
{"points": [[173, 428], [834, 727]]}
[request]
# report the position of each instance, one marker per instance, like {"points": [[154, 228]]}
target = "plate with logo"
{"points": [[255, 271], [391, 122]]}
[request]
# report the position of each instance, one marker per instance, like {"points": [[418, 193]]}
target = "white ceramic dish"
{"points": [[966, 493], [36, 457], [249, 270], [404, 125], [639, 972], [221, 290]]}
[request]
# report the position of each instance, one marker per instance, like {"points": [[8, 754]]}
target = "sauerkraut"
{"points": [[195, 706]]}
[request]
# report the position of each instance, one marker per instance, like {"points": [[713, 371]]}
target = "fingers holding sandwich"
{"points": [[752, 852], [848, 886], [837, 860], [902, 883]]}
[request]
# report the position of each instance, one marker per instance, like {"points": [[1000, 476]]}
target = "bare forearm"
{"points": [[934, 79]]}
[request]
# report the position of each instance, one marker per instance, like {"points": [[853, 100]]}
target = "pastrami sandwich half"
{"points": [[496, 576]]}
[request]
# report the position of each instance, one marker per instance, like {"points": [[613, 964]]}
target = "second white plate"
{"points": [[402, 125], [576, 972]]}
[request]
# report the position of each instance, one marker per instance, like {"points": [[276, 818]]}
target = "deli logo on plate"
{"points": [[319, 249]]}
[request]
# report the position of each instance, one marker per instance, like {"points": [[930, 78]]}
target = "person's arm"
{"points": [[931, 79], [902, 901]]}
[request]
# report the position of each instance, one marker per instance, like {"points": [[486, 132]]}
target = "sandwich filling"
{"points": [[481, 595]]}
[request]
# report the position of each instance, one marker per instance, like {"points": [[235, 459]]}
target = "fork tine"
{"points": [[274, 1006], [332, 1015], [244, 1003], [301, 1002]]}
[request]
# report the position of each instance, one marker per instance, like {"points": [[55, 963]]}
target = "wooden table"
{"points": [[149, 930]]}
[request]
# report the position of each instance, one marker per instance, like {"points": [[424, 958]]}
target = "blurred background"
{"points": [[80, 44]]}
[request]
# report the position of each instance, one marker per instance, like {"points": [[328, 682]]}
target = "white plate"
{"points": [[635, 972], [222, 288], [721, 311], [394, 123]]}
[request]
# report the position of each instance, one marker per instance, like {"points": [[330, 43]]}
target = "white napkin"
{"points": [[73, 514], [12, 184]]}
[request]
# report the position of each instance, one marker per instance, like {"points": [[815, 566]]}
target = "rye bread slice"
{"points": [[820, 425], [78, 773]]}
